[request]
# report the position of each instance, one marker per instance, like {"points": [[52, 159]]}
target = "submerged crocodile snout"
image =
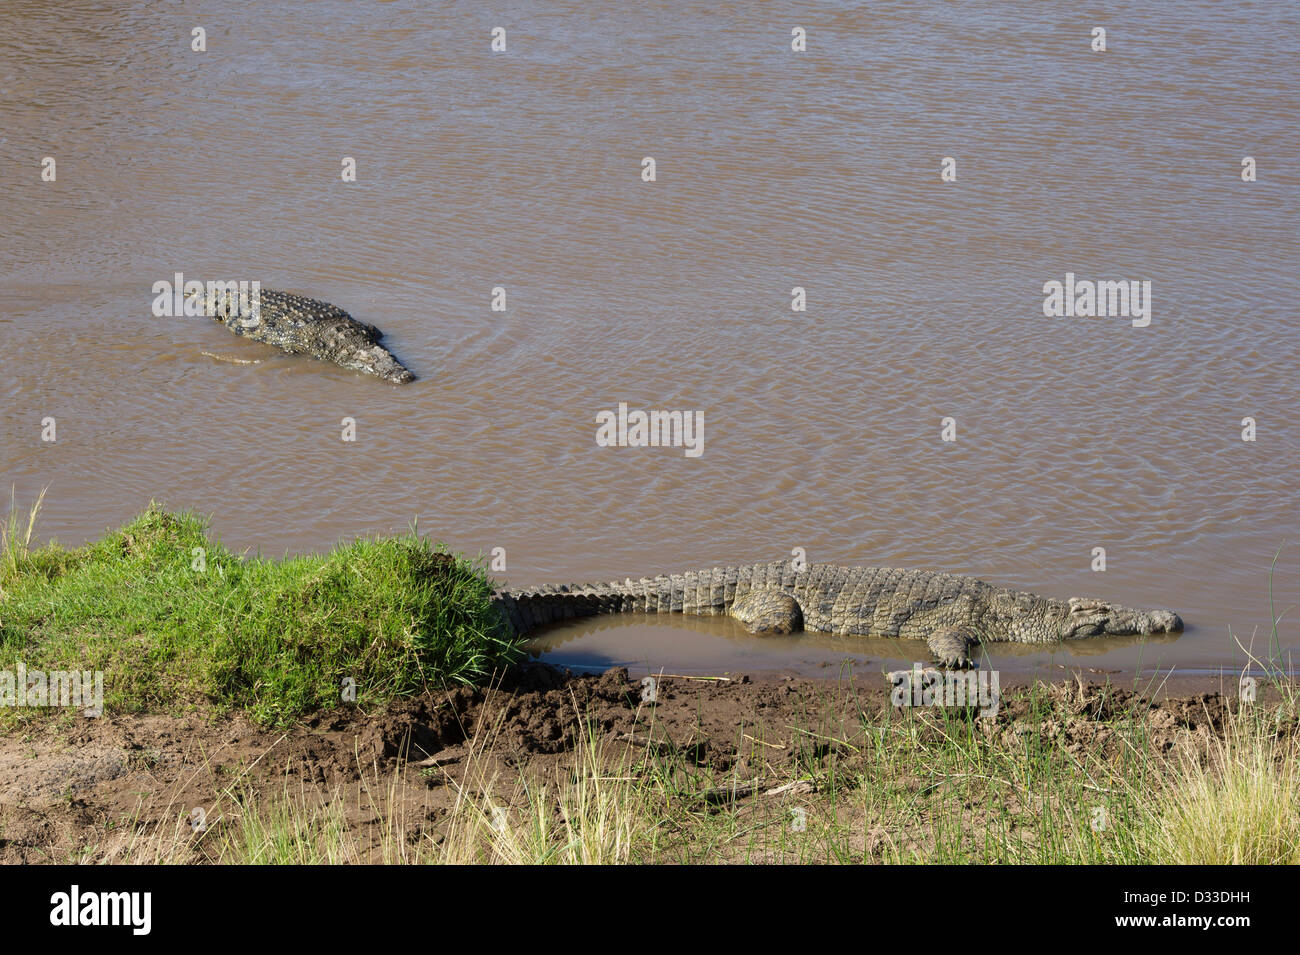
{"points": [[1141, 622], [1091, 618], [1166, 621]]}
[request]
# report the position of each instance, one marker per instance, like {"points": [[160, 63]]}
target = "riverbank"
{"points": [[550, 767], [362, 706]]}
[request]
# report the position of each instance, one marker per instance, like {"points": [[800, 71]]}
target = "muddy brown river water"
{"points": [[823, 429]]}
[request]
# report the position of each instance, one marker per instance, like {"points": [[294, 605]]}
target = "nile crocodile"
{"points": [[951, 613], [304, 326]]}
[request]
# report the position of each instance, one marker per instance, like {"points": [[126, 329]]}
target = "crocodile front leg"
{"points": [[951, 648]]}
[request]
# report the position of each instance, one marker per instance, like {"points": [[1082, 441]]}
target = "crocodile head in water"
{"points": [[1096, 618], [1028, 618], [224, 305]]}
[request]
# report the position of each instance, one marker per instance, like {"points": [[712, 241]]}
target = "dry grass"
{"points": [[1238, 802], [592, 814]]}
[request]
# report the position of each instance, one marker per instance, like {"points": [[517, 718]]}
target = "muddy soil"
{"points": [[76, 789]]}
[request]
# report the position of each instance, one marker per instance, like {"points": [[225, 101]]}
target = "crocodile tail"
{"points": [[529, 609], [697, 592]]}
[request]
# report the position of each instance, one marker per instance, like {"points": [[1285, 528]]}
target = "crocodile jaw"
{"points": [[1131, 622], [376, 361], [1093, 618]]}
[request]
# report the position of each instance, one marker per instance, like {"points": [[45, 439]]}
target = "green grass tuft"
{"points": [[171, 616]]}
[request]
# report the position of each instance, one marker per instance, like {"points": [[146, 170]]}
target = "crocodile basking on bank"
{"points": [[304, 326], [951, 613]]}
